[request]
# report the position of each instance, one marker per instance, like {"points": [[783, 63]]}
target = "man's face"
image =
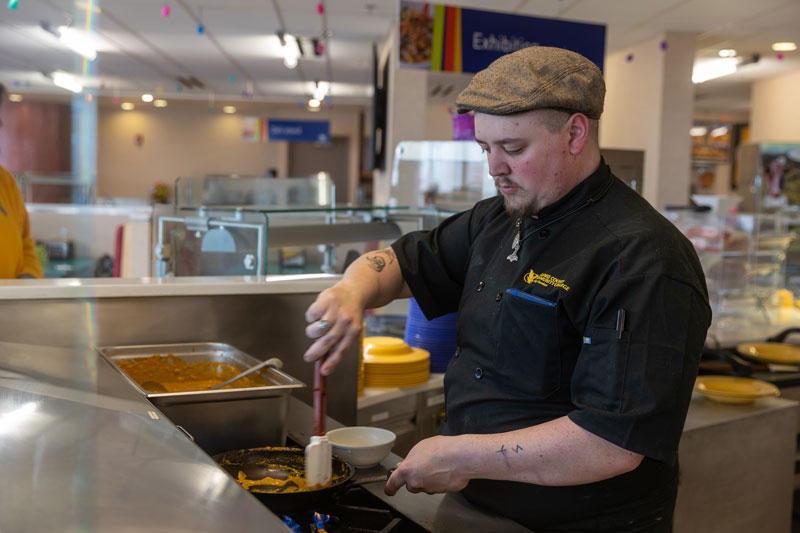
{"points": [[527, 160]]}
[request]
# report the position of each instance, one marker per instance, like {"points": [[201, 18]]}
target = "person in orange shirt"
{"points": [[17, 249]]}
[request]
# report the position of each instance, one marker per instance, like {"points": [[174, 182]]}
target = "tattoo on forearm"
{"points": [[502, 451], [378, 262]]}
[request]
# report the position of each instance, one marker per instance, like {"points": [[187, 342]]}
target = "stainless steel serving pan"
{"points": [[222, 419], [280, 383]]}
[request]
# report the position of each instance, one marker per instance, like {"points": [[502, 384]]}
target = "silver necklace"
{"points": [[518, 237], [515, 244]]}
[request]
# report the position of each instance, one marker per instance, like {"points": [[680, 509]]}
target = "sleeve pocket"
{"points": [[599, 378]]}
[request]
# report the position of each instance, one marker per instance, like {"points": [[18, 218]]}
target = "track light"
{"points": [[67, 81], [75, 40], [290, 49]]}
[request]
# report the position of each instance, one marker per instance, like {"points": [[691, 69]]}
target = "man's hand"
{"points": [[335, 321], [431, 466]]}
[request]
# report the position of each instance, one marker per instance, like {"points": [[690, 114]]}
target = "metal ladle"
{"points": [[273, 362]]}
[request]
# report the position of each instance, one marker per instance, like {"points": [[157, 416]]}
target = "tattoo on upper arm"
{"points": [[381, 258]]}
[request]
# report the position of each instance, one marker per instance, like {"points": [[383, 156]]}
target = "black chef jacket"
{"points": [[606, 326]]}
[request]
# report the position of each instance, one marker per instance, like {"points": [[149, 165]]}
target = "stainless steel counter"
{"points": [[80, 450]]}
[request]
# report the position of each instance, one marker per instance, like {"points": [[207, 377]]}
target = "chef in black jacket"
{"points": [[582, 313]]}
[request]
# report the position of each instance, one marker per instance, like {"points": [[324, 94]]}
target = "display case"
{"points": [[744, 260], [445, 176], [54, 188], [230, 225]]}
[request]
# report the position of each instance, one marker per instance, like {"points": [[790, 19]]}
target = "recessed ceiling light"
{"points": [[147, 97], [15, 97], [160, 103], [728, 52], [229, 109], [127, 106], [784, 47]]}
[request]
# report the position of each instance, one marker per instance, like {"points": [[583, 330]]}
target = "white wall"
{"points": [[649, 101], [775, 109]]}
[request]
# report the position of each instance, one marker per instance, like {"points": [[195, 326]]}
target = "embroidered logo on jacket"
{"points": [[545, 280]]}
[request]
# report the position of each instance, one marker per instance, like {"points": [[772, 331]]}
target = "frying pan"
{"points": [[279, 463]]}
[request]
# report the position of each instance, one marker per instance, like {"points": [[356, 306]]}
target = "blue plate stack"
{"points": [[437, 336]]}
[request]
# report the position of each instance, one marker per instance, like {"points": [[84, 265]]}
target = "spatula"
{"points": [[319, 451]]}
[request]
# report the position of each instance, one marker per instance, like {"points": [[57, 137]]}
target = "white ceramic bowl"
{"points": [[361, 446]]}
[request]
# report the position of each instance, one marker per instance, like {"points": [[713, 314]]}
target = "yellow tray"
{"points": [[730, 389], [771, 352]]}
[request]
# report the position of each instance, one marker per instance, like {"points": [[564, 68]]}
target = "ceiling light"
{"points": [[290, 49], [127, 106], [160, 103], [147, 97], [728, 52], [229, 109], [698, 131], [76, 40], [784, 47], [14, 97], [710, 69], [720, 131], [321, 89], [67, 81]]}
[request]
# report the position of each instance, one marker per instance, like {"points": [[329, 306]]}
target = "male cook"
{"points": [[582, 313]]}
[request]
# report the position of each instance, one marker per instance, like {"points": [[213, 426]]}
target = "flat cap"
{"points": [[536, 77]]}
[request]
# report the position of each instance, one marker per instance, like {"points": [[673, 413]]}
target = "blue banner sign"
{"points": [[300, 130], [447, 38]]}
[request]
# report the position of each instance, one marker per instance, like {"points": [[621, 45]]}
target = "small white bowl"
{"points": [[361, 446]]}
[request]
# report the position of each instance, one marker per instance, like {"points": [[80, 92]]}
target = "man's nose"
{"points": [[497, 165]]}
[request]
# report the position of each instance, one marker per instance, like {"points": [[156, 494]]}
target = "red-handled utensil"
{"points": [[319, 451]]}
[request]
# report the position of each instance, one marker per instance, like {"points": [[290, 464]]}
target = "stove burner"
{"points": [[356, 511]]}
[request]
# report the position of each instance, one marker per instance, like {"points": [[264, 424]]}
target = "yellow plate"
{"points": [[771, 352], [730, 389]]}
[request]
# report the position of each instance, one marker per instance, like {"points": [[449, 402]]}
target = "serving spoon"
{"points": [[273, 362]]}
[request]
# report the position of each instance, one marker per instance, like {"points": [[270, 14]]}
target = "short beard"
{"points": [[527, 210]]}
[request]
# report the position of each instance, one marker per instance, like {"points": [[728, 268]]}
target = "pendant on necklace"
{"points": [[515, 244]]}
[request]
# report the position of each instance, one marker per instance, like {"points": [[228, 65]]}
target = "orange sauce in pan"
{"points": [[292, 483], [177, 375]]}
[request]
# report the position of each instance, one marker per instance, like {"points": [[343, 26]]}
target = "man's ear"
{"points": [[578, 127]]}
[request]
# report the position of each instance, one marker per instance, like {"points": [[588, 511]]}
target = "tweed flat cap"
{"points": [[536, 77]]}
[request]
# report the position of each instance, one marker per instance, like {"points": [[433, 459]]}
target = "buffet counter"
{"points": [[93, 454]]}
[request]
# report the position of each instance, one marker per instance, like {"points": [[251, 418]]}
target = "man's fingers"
{"points": [[394, 483]]}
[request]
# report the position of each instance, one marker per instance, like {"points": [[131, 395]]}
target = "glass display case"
{"points": [[54, 188], [226, 225], [744, 260], [440, 175], [231, 190]]}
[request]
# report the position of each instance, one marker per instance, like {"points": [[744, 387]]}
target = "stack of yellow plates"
{"points": [[389, 362], [729, 389]]}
